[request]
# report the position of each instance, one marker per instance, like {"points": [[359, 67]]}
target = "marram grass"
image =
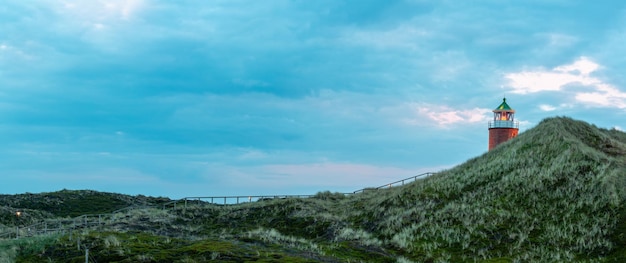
{"points": [[556, 193]]}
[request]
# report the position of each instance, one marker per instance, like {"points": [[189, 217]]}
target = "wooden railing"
{"points": [[228, 200], [396, 183]]}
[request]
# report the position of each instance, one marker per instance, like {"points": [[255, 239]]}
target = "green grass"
{"points": [[23, 249], [142, 247], [556, 193], [72, 203]]}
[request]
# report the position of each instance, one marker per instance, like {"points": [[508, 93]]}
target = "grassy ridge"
{"points": [[76, 202], [553, 194]]}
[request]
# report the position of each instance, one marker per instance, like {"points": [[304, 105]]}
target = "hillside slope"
{"points": [[67, 203], [553, 194]]}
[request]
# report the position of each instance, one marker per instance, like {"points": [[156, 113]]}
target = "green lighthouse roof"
{"points": [[504, 106]]}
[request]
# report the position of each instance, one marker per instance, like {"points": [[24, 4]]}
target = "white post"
{"points": [[86, 255]]}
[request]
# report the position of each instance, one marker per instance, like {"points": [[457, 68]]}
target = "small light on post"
{"points": [[18, 213]]}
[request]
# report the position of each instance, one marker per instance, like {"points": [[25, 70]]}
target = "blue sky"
{"points": [[229, 97]]}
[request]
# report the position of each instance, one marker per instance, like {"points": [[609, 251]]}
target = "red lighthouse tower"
{"points": [[504, 126]]}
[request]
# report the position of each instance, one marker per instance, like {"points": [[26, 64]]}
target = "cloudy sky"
{"points": [[230, 97]]}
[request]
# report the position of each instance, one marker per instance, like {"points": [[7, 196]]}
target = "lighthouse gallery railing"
{"points": [[504, 124]]}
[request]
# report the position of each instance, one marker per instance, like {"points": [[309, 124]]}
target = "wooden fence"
{"points": [[57, 226], [396, 183]]}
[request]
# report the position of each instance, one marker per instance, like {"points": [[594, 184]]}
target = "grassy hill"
{"points": [[75, 203], [556, 193]]}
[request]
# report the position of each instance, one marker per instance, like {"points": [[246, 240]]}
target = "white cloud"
{"points": [[584, 66], [604, 96], [531, 82], [590, 91], [555, 79], [546, 107], [444, 115]]}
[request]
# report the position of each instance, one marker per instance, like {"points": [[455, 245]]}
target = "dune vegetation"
{"points": [[556, 193]]}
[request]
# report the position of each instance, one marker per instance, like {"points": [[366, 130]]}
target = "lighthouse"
{"points": [[504, 126]]}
